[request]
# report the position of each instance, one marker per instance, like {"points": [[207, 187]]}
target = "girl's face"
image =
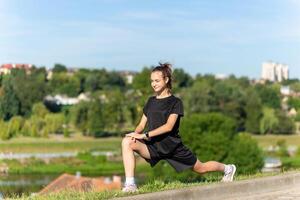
{"points": [[158, 82]]}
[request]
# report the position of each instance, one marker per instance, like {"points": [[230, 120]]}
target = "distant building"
{"points": [[221, 76], [275, 72], [65, 100], [129, 75], [6, 68], [285, 90]]}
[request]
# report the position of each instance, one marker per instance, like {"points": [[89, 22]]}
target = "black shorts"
{"points": [[180, 159]]}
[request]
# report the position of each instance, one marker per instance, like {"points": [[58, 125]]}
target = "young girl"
{"points": [[162, 114]]}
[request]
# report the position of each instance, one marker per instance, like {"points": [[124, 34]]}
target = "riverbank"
{"points": [[150, 187]]}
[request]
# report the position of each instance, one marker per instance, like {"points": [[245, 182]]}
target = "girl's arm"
{"points": [[141, 126], [167, 127]]}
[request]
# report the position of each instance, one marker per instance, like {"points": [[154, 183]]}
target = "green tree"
{"points": [[54, 123], [269, 96], [294, 103], [59, 68], [230, 100], [96, 119], [213, 137], [61, 83], [9, 101], [295, 86], [40, 110], [269, 121], [253, 110], [79, 116], [15, 125], [245, 154], [4, 131], [199, 98], [141, 81], [29, 88], [181, 79], [285, 125]]}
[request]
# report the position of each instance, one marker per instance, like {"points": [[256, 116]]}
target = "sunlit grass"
{"points": [[60, 144], [269, 140], [149, 187]]}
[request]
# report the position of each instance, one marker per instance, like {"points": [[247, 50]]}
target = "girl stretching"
{"points": [[162, 114]]}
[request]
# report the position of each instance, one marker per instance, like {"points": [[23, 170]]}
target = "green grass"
{"points": [[60, 144], [151, 186], [268, 140]]}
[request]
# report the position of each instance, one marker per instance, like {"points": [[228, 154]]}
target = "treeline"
{"points": [[115, 106]]}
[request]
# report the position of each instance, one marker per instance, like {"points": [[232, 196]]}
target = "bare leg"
{"points": [[209, 166], [129, 146]]}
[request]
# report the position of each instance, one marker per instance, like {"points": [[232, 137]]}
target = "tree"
{"points": [[245, 154], [253, 110], [54, 123], [15, 125], [295, 86], [213, 137], [294, 103], [9, 101], [230, 100], [199, 98], [141, 81], [4, 133], [269, 121], [181, 79], [79, 116], [96, 120], [269, 96], [285, 125], [59, 68], [39, 109], [61, 83], [29, 88], [115, 79]]}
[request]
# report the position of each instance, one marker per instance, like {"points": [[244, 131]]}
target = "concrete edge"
{"points": [[224, 190]]}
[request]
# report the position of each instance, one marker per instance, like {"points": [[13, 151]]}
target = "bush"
{"points": [[245, 154], [197, 124], [285, 125], [4, 132], [213, 137]]}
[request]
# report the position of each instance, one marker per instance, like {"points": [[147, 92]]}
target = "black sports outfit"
{"points": [[167, 146]]}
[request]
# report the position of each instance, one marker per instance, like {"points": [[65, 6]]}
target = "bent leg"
{"points": [[129, 146], [209, 166]]}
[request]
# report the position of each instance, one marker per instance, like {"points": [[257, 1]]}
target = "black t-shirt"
{"points": [[157, 112]]}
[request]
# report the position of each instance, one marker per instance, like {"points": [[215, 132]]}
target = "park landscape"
{"points": [[229, 120]]}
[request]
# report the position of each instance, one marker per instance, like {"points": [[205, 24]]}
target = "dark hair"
{"points": [[166, 70]]}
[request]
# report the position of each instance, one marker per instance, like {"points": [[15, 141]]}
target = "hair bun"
{"points": [[166, 65]]}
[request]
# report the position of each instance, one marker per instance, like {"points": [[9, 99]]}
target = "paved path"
{"points": [[281, 187], [292, 193]]}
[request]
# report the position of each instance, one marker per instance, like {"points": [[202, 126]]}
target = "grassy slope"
{"points": [[59, 144], [268, 140], [153, 186]]}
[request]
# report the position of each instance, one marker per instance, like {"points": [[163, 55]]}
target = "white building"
{"points": [[275, 72]]}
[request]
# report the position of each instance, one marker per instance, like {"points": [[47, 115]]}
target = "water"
{"points": [[16, 185]]}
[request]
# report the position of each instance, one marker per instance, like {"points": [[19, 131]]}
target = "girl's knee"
{"points": [[126, 142]]}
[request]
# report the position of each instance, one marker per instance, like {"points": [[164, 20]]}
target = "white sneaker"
{"points": [[130, 188], [228, 177]]}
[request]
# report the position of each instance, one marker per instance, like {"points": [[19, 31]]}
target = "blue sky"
{"points": [[200, 36]]}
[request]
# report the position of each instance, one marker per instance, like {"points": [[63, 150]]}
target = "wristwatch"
{"points": [[147, 134]]}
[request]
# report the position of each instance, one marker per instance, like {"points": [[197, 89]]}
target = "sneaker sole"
{"points": [[234, 169]]}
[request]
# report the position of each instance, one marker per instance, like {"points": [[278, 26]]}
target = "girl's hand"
{"points": [[135, 136]]}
